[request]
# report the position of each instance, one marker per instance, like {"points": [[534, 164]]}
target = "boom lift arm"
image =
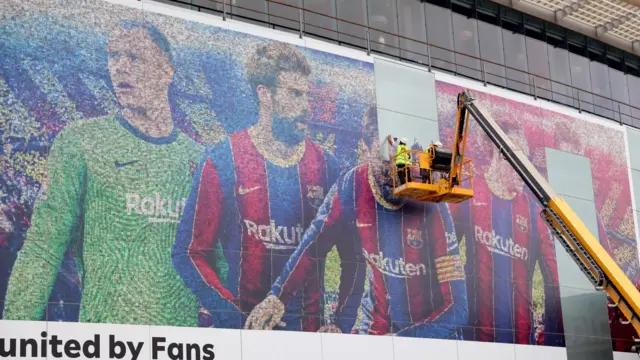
{"points": [[574, 236]]}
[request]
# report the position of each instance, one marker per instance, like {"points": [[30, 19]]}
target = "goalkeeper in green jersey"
{"points": [[115, 191]]}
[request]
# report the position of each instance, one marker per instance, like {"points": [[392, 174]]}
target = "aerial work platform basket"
{"points": [[444, 174], [428, 180]]}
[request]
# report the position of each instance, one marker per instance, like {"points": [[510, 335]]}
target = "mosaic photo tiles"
{"points": [[165, 172]]}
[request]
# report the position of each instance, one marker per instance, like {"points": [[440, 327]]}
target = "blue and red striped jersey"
{"points": [[505, 239], [416, 277], [256, 207]]}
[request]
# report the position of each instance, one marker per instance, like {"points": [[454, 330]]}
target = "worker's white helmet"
{"points": [[404, 140], [437, 143]]}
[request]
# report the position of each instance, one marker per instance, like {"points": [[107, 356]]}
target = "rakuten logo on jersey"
{"points": [[275, 237], [396, 268], [499, 245], [158, 208]]}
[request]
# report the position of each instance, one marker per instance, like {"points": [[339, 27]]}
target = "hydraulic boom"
{"points": [[575, 237]]}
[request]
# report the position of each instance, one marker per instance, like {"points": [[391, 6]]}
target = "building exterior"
{"points": [[174, 173]]}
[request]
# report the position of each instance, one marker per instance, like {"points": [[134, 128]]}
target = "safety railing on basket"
{"points": [[412, 171]]}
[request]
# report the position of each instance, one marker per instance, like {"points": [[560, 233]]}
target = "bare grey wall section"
{"points": [[584, 310], [406, 98]]}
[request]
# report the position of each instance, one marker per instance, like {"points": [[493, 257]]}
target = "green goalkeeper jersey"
{"points": [[116, 195]]}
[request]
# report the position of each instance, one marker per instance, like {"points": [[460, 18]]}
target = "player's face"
{"points": [[290, 103], [140, 71]]}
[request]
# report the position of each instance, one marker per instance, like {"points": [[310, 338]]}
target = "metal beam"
{"points": [[633, 2], [610, 25], [572, 24], [567, 10]]}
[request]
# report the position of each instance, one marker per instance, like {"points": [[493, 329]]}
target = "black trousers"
{"points": [[403, 173]]}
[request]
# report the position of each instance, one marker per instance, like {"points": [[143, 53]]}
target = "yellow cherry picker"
{"points": [[445, 176]]}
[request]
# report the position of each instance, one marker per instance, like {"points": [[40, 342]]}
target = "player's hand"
{"points": [[266, 315], [330, 329]]}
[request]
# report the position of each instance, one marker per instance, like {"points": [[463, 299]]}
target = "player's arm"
{"points": [[461, 215], [366, 321], [453, 312], [604, 236], [553, 327], [56, 221], [352, 279], [196, 240], [352, 267], [315, 244], [302, 264], [375, 318]]}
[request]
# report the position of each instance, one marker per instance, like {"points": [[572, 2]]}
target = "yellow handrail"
{"points": [[413, 163]]}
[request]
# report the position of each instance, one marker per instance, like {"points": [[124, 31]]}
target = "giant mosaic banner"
{"points": [[510, 260], [161, 171], [109, 113]]}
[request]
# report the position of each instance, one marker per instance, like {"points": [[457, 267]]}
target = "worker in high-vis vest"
{"points": [[402, 159]]}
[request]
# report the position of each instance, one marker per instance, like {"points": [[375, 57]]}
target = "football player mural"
{"points": [[156, 170]]}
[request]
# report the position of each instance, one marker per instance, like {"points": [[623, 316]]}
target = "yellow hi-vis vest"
{"points": [[401, 159]]}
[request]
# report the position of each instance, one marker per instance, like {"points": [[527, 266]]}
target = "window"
{"points": [[488, 12], [512, 20], [383, 16], [596, 51], [615, 58], [534, 27], [577, 43], [556, 36]]}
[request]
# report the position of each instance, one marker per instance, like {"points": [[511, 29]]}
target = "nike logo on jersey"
{"points": [[500, 245], [397, 268], [243, 191], [361, 225], [121, 165]]}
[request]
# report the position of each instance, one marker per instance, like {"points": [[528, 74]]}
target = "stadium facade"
{"points": [[172, 172]]}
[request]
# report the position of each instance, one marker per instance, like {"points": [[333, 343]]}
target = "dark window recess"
{"points": [[556, 41], [511, 20], [488, 7], [615, 64], [553, 34], [632, 70], [512, 26], [596, 51], [534, 33], [493, 19], [556, 35], [488, 12], [463, 8], [632, 65], [441, 3], [615, 58], [577, 43], [534, 28], [533, 23]]}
